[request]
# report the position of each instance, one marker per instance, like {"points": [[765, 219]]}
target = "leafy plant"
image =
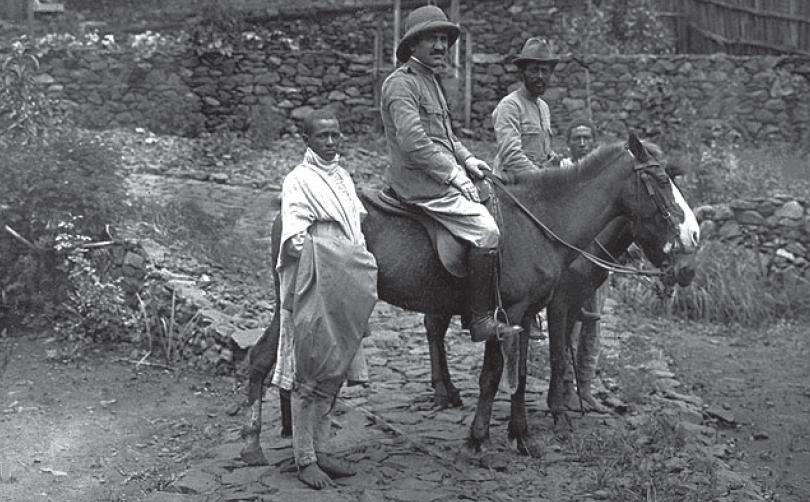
{"points": [[171, 335], [26, 113], [617, 27], [95, 309], [72, 178]]}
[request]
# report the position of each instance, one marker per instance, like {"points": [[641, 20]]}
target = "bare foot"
{"points": [[589, 404], [335, 467], [314, 477]]}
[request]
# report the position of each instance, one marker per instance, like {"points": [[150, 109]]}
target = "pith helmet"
{"points": [[536, 49], [423, 20]]}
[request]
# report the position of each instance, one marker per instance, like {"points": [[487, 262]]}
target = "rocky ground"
{"points": [[698, 413]]}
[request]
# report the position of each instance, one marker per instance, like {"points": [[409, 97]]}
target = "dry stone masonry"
{"points": [[778, 227], [276, 80]]}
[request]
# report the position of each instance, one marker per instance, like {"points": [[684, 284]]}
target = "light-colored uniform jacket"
{"points": [[523, 131]]}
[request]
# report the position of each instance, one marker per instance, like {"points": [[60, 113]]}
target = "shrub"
{"points": [[26, 113], [73, 178], [94, 310], [733, 285], [617, 27]]}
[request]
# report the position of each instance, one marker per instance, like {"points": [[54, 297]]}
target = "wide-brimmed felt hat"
{"points": [[423, 20], [536, 49]]}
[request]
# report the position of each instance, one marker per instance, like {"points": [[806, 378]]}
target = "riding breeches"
{"points": [[469, 221]]}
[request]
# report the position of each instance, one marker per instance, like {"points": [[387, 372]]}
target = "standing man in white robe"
{"points": [[328, 288]]}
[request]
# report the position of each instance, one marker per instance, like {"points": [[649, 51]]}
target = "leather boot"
{"points": [[483, 325]]}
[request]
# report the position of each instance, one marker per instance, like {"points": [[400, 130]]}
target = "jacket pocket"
{"points": [[432, 119]]}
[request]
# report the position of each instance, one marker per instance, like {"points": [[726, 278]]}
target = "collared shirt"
{"points": [[424, 150], [523, 131]]}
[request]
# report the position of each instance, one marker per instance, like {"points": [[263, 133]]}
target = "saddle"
{"points": [[452, 251]]}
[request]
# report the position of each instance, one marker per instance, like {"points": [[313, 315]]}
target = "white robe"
{"points": [[318, 198]]}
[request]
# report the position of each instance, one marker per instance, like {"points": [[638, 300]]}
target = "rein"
{"points": [[605, 264]]}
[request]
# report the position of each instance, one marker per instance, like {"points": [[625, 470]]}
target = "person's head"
{"points": [[535, 65], [428, 36], [581, 138], [321, 133]]}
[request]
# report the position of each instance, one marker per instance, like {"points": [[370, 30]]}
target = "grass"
{"points": [[734, 283], [646, 461]]}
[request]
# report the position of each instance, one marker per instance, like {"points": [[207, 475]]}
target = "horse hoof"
{"points": [[253, 455], [443, 401], [475, 446], [524, 447], [563, 427]]}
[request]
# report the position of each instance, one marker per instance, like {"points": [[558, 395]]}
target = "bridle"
{"points": [[645, 174]]}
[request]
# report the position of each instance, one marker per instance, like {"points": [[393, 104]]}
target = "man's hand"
{"points": [[476, 167], [465, 186]]}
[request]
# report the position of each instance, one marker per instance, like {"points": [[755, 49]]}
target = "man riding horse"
{"points": [[431, 169], [549, 216]]}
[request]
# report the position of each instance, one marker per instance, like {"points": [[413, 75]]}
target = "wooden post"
{"points": [[468, 64], [378, 57], [455, 17], [397, 12], [588, 93]]}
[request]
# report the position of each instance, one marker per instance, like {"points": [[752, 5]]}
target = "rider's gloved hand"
{"points": [[476, 167], [464, 185]]}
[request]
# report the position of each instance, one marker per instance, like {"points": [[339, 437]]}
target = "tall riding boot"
{"points": [[483, 325]]}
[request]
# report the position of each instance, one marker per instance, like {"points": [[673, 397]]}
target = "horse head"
{"points": [[664, 225]]}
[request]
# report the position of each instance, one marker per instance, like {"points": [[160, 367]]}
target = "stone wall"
{"points": [[778, 226], [269, 88]]}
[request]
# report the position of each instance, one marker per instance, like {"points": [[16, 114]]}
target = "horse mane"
{"points": [[552, 176]]}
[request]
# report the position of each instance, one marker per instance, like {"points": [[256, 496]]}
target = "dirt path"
{"points": [[758, 383], [100, 428]]}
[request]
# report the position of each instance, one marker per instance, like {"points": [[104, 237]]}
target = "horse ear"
{"points": [[636, 148]]}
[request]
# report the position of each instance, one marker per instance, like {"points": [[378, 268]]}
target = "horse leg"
{"points": [[262, 359], [487, 388], [518, 424], [286, 413], [559, 318], [445, 393]]}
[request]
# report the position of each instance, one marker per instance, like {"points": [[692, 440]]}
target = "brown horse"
{"points": [[577, 283], [554, 213]]}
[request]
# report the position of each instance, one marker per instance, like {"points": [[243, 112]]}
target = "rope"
{"points": [[605, 264]]}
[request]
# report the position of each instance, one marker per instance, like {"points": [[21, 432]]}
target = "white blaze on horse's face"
{"points": [[689, 228]]}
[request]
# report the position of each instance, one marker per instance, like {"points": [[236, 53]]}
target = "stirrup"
{"points": [[502, 329], [510, 329]]}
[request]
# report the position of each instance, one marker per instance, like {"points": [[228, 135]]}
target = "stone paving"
{"points": [[408, 451]]}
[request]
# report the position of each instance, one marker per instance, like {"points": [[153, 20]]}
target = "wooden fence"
{"points": [[739, 27]]}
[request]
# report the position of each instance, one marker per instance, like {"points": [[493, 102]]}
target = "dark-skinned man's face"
{"points": [[325, 138], [535, 75]]}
